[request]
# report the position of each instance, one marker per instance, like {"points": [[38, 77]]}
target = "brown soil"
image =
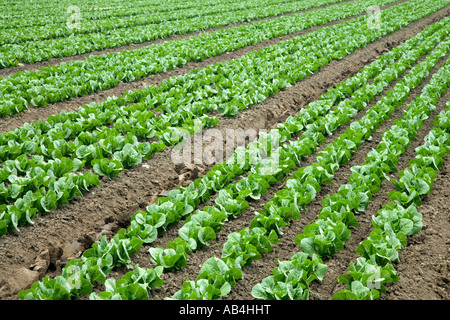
{"points": [[28, 255]]}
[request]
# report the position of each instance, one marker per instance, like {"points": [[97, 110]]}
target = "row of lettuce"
{"points": [[43, 157], [200, 228], [11, 54]]}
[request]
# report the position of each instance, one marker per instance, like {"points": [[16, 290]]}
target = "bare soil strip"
{"points": [[72, 228]]}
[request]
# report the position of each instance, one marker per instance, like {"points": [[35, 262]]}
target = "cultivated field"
{"points": [[232, 150]]}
